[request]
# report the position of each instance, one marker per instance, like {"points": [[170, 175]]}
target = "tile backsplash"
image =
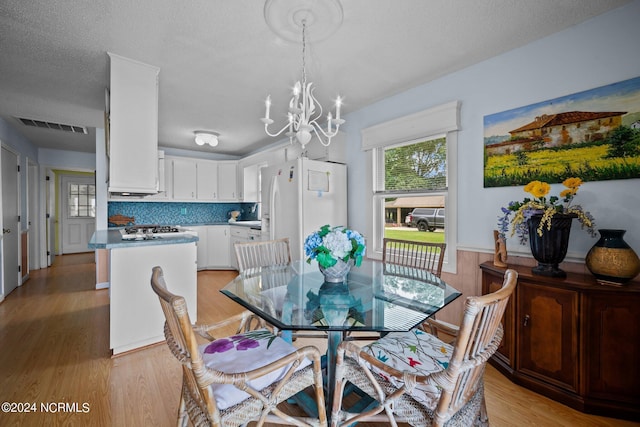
{"points": [[171, 213]]}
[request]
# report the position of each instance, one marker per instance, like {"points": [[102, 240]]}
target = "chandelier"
{"points": [[305, 111]]}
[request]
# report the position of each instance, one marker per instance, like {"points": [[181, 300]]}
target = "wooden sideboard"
{"points": [[572, 340]]}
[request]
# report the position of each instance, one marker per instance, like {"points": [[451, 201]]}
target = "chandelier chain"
{"points": [[304, 50]]}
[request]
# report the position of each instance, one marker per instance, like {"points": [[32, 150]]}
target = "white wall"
{"points": [[70, 160], [598, 52]]}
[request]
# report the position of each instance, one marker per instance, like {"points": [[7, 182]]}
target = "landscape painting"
{"points": [[594, 135]]}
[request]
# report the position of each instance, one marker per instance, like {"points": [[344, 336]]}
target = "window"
{"points": [[414, 187], [82, 201], [413, 165]]}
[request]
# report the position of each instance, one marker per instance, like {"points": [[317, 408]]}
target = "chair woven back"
{"points": [[478, 339], [423, 255], [262, 254], [182, 342], [197, 397]]}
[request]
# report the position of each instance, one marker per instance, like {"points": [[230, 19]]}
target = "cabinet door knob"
{"points": [[525, 321]]}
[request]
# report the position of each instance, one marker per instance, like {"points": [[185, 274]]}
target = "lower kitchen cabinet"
{"points": [[213, 246], [572, 340]]}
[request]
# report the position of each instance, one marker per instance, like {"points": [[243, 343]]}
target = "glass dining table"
{"points": [[376, 297]]}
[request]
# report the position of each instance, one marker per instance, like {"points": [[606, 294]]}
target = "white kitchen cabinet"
{"points": [[218, 240], [202, 180], [336, 152], [184, 179], [240, 181], [202, 246], [213, 247], [136, 318], [165, 172], [207, 180], [133, 127], [252, 182], [228, 181]]}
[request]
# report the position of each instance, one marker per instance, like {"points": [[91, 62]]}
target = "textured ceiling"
{"points": [[219, 59]]}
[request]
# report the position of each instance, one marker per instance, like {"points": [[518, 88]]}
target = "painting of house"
{"points": [[552, 140], [557, 130]]}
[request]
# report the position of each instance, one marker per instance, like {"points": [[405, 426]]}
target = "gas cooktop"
{"points": [[148, 231]]}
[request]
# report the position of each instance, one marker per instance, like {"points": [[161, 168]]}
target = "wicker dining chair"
{"points": [[231, 381], [413, 255], [263, 254], [422, 255], [417, 379]]}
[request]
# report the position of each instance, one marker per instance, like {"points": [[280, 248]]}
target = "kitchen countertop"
{"points": [[112, 239], [257, 225]]}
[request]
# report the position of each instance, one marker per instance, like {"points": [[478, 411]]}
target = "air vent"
{"points": [[55, 126]]}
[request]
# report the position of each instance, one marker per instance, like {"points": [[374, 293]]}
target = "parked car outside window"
{"points": [[426, 218]]}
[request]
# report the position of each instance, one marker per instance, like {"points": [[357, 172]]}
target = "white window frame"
{"points": [[425, 125]]}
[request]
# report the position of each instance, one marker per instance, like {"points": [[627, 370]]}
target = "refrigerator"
{"points": [[299, 197]]}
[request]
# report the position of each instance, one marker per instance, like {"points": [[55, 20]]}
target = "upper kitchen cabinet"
{"points": [[251, 182], [336, 152], [228, 181], [165, 174], [184, 179], [207, 179], [133, 128], [217, 181], [203, 180]]}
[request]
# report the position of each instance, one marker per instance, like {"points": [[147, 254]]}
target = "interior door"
{"points": [[78, 212], [10, 224], [32, 216], [50, 220]]}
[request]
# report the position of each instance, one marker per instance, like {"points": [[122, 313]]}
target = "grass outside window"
{"points": [[414, 235]]}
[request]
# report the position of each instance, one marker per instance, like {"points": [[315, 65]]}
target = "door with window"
{"points": [[78, 213]]}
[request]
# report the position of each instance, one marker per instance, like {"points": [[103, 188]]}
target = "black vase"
{"points": [[550, 248]]}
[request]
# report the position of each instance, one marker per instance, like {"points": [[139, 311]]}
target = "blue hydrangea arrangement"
{"points": [[330, 244]]}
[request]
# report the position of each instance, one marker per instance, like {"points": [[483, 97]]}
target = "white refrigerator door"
{"points": [[284, 216], [269, 187], [301, 196]]}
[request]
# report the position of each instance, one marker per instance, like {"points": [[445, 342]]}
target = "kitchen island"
{"points": [[136, 319]]}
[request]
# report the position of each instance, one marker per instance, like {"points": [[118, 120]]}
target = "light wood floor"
{"points": [[54, 353]]}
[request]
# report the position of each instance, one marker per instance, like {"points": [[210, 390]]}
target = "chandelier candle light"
{"points": [[304, 113]]}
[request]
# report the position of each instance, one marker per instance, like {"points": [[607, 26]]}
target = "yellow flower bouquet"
{"points": [[517, 214]]}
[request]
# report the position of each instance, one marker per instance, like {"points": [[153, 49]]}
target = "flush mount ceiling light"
{"points": [[205, 137], [283, 16]]}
